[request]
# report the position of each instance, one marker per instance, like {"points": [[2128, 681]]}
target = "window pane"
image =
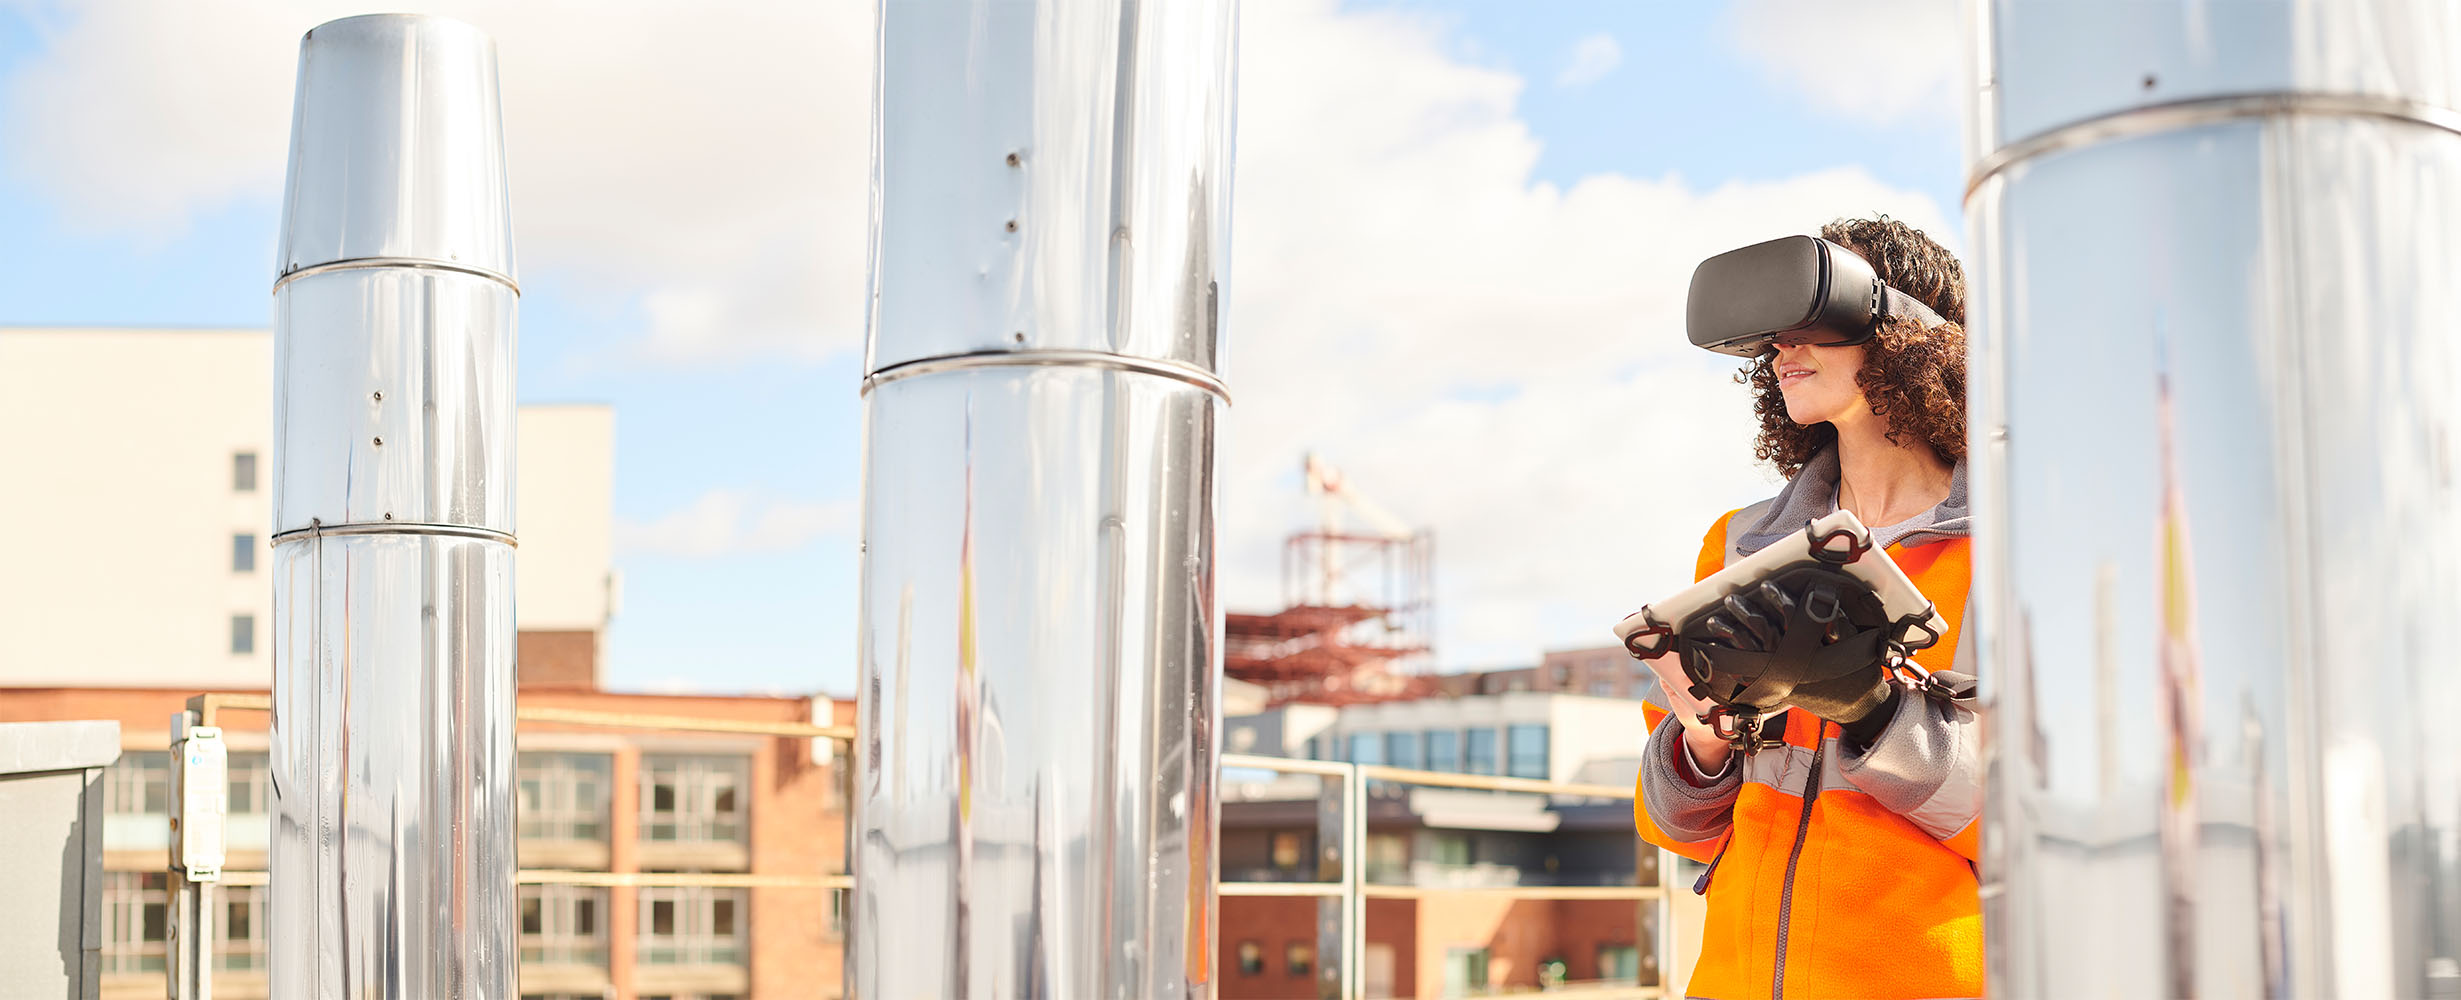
{"points": [[1366, 748], [563, 795], [531, 921], [243, 553], [138, 783], [693, 797], [243, 634], [243, 472], [235, 919], [157, 923], [1481, 756], [662, 918], [585, 916], [1299, 958], [1526, 748], [1443, 750], [251, 783], [722, 917], [1402, 750], [1251, 958], [1287, 850]]}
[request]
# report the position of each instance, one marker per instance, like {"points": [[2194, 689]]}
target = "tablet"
{"points": [[1838, 540]]}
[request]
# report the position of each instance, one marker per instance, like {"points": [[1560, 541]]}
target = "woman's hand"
{"points": [[1709, 750]]}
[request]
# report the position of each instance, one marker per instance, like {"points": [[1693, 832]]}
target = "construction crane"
{"points": [[1357, 617]]}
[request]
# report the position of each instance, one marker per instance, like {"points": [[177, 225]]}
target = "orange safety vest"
{"points": [[1853, 901]]}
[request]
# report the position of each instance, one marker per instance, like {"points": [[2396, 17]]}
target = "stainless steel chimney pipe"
{"points": [[2217, 424], [392, 851], [1040, 640]]}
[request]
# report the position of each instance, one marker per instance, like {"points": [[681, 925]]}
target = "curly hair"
{"points": [[1912, 376]]}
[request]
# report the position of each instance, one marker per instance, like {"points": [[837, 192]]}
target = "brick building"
{"points": [[1600, 672], [594, 800], [166, 436], [1467, 891]]}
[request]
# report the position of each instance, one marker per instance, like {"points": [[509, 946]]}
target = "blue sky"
{"points": [[739, 383]]}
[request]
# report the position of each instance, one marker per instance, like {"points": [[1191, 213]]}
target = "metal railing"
{"points": [[1350, 891], [1353, 889]]}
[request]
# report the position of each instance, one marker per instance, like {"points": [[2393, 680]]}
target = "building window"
{"points": [[1366, 748], [693, 798], [564, 795], [1289, 851], [1455, 849], [251, 783], [1388, 859], [1465, 972], [243, 634], [241, 948], [1526, 751], [1251, 958], [1481, 756], [563, 925], [1601, 689], [243, 472], [243, 553], [136, 922], [1402, 750], [1299, 959], [1443, 750], [138, 784], [1563, 675], [692, 925], [1619, 964]]}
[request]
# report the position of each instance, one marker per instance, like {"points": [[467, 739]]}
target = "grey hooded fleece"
{"points": [[1812, 494]]}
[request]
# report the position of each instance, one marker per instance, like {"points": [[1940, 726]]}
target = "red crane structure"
{"points": [[1357, 623]]}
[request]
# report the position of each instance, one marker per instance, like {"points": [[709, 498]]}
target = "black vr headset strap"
{"points": [[1897, 303]]}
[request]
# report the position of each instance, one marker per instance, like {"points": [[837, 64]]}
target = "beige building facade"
{"points": [[141, 481]]}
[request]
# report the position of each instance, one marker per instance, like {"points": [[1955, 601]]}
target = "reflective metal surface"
{"points": [[397, 147], [2216, 403], [391, 862], [1039, 635], [1053, 175], [2047, 63], [392, 760], [400, 390]]}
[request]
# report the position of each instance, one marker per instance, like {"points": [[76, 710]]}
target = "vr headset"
{"points": [[1791, 290]]}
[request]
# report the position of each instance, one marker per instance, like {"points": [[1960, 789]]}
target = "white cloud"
{"points": [[1497, 358], [1878, 61], [1592, 58], [710, 158], [730, 522]]}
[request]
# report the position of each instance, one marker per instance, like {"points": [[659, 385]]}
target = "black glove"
{"points": [[1811, 637]]}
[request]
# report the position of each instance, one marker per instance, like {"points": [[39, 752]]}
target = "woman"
{"points": [[1841, 856]]}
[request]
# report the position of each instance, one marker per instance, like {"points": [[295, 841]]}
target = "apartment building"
{"points": [[1468, 891], [142, 483], [605, 805], [1597, 671]]}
